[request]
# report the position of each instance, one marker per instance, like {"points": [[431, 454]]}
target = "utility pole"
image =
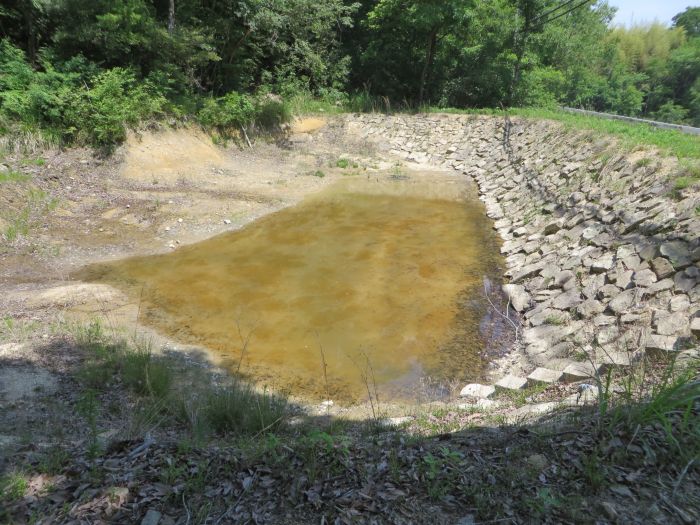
{"points": [[519, 43], [534, 22], [171, 16]]}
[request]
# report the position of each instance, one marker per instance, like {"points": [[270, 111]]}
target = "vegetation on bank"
{"points": [[82, 72], [185, 438]]}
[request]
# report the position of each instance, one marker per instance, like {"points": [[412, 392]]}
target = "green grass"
{"points": [[668, 404], [319, 174], [39, 161], [234, 409], [304, 104], [240, 409], [342, 163], [13, 486], [684, 182], [38, 203], [520, 397], [106, 359], [555, 320], [12, 176], [19, 226]]}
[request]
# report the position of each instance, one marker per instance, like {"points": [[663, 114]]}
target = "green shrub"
{"points": [[270, 114], [231, 111], [115, 103], [97, 110]]}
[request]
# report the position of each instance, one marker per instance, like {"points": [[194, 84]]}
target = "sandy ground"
{"points": [[160, 191]]}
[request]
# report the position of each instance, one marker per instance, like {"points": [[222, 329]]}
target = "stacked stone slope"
{"points": [[603, 259]]}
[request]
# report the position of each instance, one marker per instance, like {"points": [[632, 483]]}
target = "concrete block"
{"points": [[544, 376], [478, 391], [511, 382], [580, 371], [659, 344]]}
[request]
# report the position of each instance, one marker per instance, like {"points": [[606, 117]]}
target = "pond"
{"points": [[375, 282]]}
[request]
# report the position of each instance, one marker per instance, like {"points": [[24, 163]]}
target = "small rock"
{"points": [[622, 490], [604, 320], [622, 278], [662, 267], [623, 301], [552, 227], [511, 382], [674, 324], [683, 281], [538, 461], [179, 220], [608, 291], [477, 391], [662, 343], [630, 318], [609, 510], [565, 279], [625, 251], [607, 335], [648, 252], [590, 308], [695, 327], [567, 300], [543, 375], [519, 298], [152, 517], [579, 371], [679, 303], [227, 221], [660, 286], [677, 252], [644, 278]]}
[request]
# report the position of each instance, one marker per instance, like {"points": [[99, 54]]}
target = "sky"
{"points": [[638, 11]]}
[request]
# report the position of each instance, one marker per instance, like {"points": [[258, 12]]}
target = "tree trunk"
{"points": [[171, 16], [432, 41]]}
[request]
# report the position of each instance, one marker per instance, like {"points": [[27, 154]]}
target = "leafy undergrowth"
{"points": [[224, 453]]}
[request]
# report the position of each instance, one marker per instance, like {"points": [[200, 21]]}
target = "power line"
{"points": [[566, 12], [557, 8]]}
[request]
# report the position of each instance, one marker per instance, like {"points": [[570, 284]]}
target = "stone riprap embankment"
{"points": [[603, 259]]}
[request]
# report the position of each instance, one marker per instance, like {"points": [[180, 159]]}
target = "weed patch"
{"points": [[240, 409], [12, 176]]}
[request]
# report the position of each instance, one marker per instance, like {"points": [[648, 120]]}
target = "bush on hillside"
{"points": [[235, 111], [96, 110], [230, 111]]}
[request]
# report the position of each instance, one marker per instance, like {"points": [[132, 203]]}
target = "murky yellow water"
{"points": [[375, 277]]}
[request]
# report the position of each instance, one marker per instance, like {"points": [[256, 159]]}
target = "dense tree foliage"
{"points": [[85, 69]]}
